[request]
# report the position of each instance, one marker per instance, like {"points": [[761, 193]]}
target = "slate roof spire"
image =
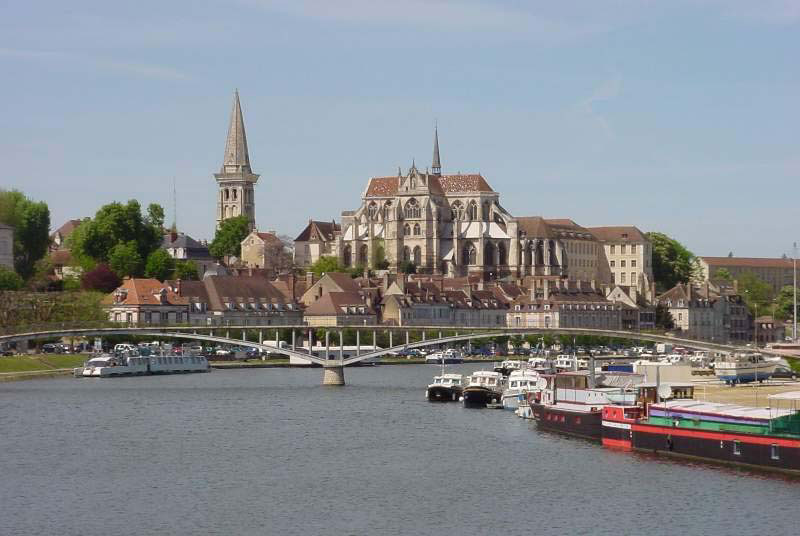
{"points": [[436, 168], [237, 158]]}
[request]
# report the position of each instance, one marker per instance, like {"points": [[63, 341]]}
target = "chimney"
{"points": [[688, 292], [546, 291], [309, 280], [736, 286]]}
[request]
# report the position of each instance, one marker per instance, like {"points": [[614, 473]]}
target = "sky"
{"points": [[678, 116]]}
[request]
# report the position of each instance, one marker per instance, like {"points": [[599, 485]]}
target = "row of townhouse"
{"points": [[337, 299]]}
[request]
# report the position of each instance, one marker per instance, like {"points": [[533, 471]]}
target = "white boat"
{"points": [[565, 362], [107, 365], [520, 382], [445, 388], [449, 356], [483, 387], [744, 368]]}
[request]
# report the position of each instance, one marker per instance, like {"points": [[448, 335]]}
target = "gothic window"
{"points": [[417, 256], [469, 254], [412, 209], [457, 210], [488, 254], [363, 254], [406, 254], [348, 255], [416, 229], [539, 253], [387, 210], [501, 254], [553, 257], [485, 211], [529, 254], [372, 210], [473, 211], [227, 194], [406, 230], [234, 195]]}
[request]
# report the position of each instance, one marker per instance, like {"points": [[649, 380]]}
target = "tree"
{"points": [[324, 265], [407, 267], [228, 238], [723, 273], [9, 279], [31, 222], [672, 262], [159, 265], [101, 279], [125, 259], [185, 270], [155, 215], [664, 318], [784, 309], [113, 225], [756, 293]]}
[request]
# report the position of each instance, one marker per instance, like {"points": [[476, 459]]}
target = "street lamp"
{"points": [[794, 271]]}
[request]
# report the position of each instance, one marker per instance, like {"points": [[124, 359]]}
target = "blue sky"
{"points": [[679, 116]]}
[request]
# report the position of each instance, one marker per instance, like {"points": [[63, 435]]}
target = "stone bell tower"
{"points": [[236, 179]]}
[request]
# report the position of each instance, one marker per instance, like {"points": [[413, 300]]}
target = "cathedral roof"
{"points": [[448, 184], [534, 227]]}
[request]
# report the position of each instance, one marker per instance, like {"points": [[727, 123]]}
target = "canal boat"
{"points": [[764, 438], [446, 357], [445, 388], [570, 404], [109, 365], [483, 387], [520, 382], [744, 368]]}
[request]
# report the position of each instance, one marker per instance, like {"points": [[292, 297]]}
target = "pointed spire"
{"points": [[237, 157], [437, 164]]}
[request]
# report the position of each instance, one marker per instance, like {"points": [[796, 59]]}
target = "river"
{"points": [[271, 451]]}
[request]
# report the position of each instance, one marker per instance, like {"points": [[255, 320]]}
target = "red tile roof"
{"points": [[749, 262], [144, 292], [461, 183], [622, 233]]}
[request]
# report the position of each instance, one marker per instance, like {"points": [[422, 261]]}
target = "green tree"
{"points": [[785, 303], [664, 318], [9, 279], [155, 215], [125, 259], [672, 262], [407, 267], [723, 273], [185, 270], [228, 238], [113, 225], [160, 265], [31, 223], [326, 264], [756, 293]]}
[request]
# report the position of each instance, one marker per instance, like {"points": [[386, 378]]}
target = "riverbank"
{"points": [[25, 367]]}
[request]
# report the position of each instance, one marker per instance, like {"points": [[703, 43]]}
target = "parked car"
{"points": [[51, 348], [783, 371]]}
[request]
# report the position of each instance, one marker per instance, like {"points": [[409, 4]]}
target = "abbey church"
{"points": [[444, 224]]}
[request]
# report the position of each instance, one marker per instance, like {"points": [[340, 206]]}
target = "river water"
{"points": [[271, 451]]}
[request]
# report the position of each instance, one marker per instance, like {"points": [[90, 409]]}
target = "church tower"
{"points": [[236, 179]]}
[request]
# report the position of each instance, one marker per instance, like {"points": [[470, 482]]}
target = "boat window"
{"points": [[737, 448], [513, 384], [577, 420], [773, 452]]}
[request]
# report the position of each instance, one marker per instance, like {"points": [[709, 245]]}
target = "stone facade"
{"points": [[7, 246], [629, 257], [708, 313], [146, 301], [262, 250], [777, 272], [318, 239], [236, 180]]}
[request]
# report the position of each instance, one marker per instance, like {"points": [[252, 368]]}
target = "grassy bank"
{"points": [[40, 362]]}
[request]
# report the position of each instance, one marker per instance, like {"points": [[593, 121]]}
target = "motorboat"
{"points": [[483, 387], [565, 362], [445, 388], [508, 366], [519, 383], [107, 365], [744, 368], [449, 356]]}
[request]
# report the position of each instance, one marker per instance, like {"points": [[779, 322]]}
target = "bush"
{"points": [[101, 279], [9, 279]]}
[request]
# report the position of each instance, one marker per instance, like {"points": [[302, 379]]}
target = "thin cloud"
{"points": [[144, 70], [607, 90]]}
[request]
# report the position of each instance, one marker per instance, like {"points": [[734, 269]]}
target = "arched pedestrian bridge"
{"points": [[333, 373]]}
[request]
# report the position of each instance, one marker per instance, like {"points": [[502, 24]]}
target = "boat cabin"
{"points": [[448, 380], [486, 378]]}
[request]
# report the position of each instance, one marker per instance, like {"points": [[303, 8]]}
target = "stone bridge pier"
{"points": [[333, 375]]}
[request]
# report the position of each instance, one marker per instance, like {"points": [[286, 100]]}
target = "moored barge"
{"points": [[765, 438]]}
